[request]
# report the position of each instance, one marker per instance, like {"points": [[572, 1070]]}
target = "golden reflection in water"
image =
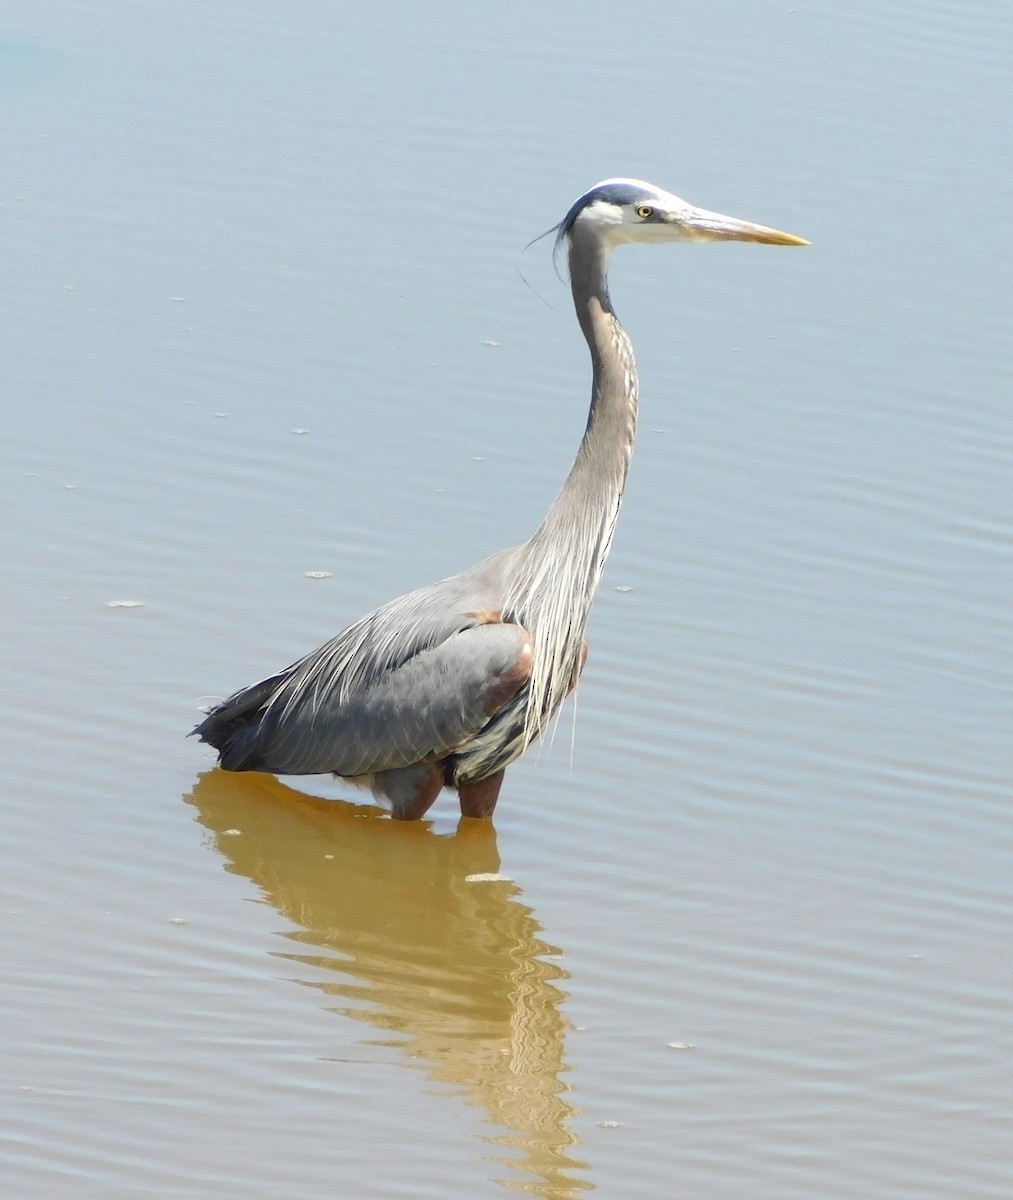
{"points": [[455, 972]]}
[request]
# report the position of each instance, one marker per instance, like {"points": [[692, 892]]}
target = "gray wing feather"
{"points": [[425, 708], [404, 683]]}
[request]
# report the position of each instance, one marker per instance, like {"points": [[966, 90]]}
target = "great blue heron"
{"points": [[447, 685]]}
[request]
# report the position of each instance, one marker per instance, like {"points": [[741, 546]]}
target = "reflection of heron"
{"points": [[419, 938], [447, 685]]}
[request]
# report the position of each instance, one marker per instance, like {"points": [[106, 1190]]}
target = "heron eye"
{"points": [[645, 211]]}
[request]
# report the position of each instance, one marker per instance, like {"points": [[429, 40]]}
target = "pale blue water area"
{"points": [[744, 928]]}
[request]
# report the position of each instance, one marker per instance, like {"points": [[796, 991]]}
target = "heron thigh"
{"points": [[479, 799], [410, 790]]}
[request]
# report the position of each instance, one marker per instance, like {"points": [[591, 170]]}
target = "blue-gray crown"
{"points": [[618, 191]]}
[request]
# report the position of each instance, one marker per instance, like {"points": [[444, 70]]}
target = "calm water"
{"points": [[745, 927]]}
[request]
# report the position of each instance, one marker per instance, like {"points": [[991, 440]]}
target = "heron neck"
{"points": [[612, 418], [558, 570], [580, 524], [599, 471]]}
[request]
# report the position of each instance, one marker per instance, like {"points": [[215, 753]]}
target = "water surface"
{"points": [[743, 928]]}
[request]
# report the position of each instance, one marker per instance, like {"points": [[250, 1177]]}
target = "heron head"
{"points": [[629, 210]]}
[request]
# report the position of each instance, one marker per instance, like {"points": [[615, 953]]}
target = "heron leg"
{"points": [[410, 790], [479, 799]]}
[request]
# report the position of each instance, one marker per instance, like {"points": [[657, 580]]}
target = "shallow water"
{"points": [[744, 926]]}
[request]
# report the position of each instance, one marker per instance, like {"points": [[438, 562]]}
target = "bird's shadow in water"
{"points": [[420, 944]]}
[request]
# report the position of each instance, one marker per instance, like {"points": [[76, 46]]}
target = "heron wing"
{"points": [[410, 682], [422, 710]]}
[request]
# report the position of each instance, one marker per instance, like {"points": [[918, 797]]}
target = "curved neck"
{"points": [[607, 446], [585, 512], [559, 568]]}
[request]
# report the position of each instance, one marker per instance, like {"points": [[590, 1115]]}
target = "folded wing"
{"points": [[387, 693]]}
